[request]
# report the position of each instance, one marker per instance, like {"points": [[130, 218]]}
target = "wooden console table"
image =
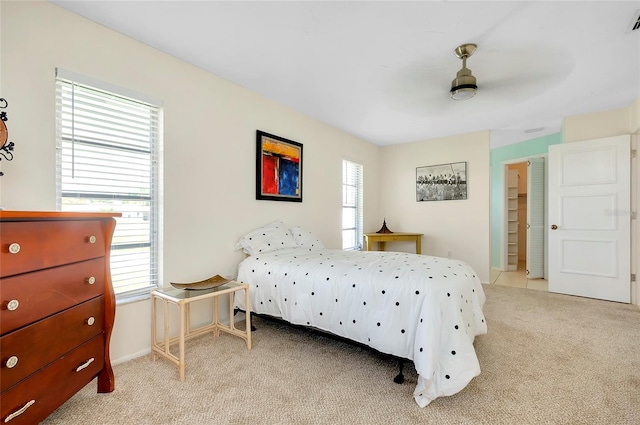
{"points": [[382, 238]]}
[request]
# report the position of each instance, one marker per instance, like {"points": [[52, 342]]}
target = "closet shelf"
{"points": [[512, 219]]}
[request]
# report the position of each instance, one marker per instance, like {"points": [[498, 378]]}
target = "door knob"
{"points": [[554, 227]]}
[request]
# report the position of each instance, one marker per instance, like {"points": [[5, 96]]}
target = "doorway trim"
{"points": [[504, 165]]}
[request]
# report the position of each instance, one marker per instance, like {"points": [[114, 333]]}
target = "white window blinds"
{"points": [[351, 205], [106, 162]]}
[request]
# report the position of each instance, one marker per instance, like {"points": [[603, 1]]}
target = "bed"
{"points": [[417, 307]]}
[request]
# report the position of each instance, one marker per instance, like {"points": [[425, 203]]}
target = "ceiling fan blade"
{"points": [[504, 77]]}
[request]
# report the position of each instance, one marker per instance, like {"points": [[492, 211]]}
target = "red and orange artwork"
{"points": [[280, 168]]}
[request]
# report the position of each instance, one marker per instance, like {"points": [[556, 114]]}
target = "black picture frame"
{"points": [[278, 168]]}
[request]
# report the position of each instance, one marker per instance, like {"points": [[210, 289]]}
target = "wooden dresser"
{"points": [[57, 309]]}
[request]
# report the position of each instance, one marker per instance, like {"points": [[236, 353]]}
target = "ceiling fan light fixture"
{"points": [[463, 93], [464, 86]]}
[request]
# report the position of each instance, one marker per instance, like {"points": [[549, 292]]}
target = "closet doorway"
{"points": [[524, 242], [516, 216]]}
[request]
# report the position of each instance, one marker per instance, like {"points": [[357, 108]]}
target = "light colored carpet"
{"points": [[547, 359]]}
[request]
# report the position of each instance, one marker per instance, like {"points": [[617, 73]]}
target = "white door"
{"points": [[589, 218], [535, 218]]}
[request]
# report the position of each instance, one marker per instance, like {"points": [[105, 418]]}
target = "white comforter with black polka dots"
{"points": [[426, 309]]}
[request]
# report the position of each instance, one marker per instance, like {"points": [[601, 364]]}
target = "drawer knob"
{"points": [[92, 239], [14, 248], [91, 280], [91, 320], [13, 305], [19, 411], [11, 362]]}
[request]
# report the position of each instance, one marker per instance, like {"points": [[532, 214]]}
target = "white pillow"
{"points": [[305, 238], [273, 236]]}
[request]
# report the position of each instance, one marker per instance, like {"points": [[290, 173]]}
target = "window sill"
{"points": [[133, 298]]}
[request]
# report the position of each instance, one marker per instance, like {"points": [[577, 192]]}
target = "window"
{"points": [[351, 205], [107, 146]]}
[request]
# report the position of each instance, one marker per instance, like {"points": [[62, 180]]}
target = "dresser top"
{"points": [[52, 215]]}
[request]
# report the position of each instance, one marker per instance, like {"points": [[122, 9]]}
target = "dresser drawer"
{"points": [[53, 385], [32, 296], [29, 246], [28, 349]]}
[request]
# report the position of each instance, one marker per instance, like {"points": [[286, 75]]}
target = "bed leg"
{"points": [[253, 328], [236, 310], [399, 379]]}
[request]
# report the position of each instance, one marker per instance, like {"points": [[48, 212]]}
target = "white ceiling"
{"points": [[382, 70]]}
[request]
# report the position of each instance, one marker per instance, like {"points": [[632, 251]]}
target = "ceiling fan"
{"points": [[424, 89], [464, 86]]}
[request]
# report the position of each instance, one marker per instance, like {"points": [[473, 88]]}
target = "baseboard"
{"points": [[240, 316], [131, 356]]}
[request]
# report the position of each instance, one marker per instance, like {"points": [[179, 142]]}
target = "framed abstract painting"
{"points": [[278, 168]]}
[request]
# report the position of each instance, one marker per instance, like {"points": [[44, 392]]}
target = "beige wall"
{"points": [[522, 173], [615, 122], [460, 227], [634, 116], [209, 147]]}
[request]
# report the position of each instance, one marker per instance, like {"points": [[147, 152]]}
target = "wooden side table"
{"points": [[382, 238], [183, 299]]}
